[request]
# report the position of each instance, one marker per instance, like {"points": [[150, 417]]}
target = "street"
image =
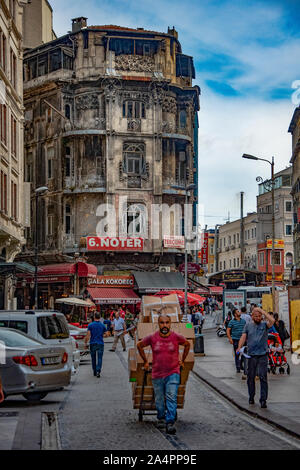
{"points": [[97, 414]]}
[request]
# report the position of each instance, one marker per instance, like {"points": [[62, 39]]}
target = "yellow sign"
{"points": [[279, 244], [278, 277], [295, 323]]}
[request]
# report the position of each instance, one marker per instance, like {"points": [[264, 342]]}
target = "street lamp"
{"points": [[268, 186], [38, 192], [185, 188]]}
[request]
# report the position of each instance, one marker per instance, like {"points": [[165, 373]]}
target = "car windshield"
{"points": [[14, 339], [53, 327]]}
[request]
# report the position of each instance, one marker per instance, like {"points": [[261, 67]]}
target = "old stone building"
{"points": [[111, 114], [294, 129], [14, 194]]}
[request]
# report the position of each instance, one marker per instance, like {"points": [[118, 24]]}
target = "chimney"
{"points": [[78, 24], [173, 32]]}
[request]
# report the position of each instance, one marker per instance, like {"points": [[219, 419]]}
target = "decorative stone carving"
{"points": [[88, 101], [135, 96], [169, 105], [168, 127], [134, 124], [111, 87], [135, 63]]}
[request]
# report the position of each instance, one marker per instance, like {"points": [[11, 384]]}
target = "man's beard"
{"points": [[164, 330], [256, 321]]}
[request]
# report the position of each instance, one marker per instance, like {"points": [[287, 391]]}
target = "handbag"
{"points": [[286, 334]]}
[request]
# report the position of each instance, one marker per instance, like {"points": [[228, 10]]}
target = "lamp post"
{"points": [[269, 185], [38, 192], [185, 188]]}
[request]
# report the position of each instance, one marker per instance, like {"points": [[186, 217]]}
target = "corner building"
{"points": [[110, 113]]}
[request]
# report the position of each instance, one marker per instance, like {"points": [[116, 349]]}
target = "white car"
{"points": [[48, 327], [79, 334]]}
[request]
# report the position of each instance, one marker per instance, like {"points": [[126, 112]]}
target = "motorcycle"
{"points": [[221, 331]]}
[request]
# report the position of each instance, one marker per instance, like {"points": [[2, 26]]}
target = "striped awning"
{"points": [[113, 295]]}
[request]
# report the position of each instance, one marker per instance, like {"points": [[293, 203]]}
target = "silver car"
{"points": [[79, 334], [30, 368]]}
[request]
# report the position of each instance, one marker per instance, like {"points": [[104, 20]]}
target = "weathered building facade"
{"points": [[111, 119], [294, 129], [13, 195]]}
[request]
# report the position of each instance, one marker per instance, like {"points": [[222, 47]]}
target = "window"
{"points": [[221, 266], [254, 232], [52, 328], [68, 111], [229, 240], [133, 158], [42, 68], [50, 157], [13, 136], [234, 239], [288, 206], [288, 260], [237, 262], [224, 264], [211, 268], [182, 119], [288, 230], [68, 216], [29, 169], [50, 224], [277, 258], [3, 123], [134, 109], [2, 50], [211, 249], [261, 257], [13, 68], [4, 192], [230, 263], [136, 220], [14, 201], [55, 60], [268, 209]]}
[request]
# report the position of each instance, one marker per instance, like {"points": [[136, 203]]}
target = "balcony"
{"points": [[171, 130]]}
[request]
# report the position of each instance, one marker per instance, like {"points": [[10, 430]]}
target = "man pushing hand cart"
{"points": [[166, 366]]}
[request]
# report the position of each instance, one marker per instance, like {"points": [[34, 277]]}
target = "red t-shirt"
{"points": [[165, 353]]}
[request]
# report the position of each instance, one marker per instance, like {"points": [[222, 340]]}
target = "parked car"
{"points": [[79, 334], [76, 356], [31, 368], [48, 327]]}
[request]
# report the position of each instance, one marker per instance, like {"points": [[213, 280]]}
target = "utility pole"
{"points": [[242, 230]]}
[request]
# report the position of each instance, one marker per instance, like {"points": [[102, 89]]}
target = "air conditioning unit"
{"points": [[164, 269]]}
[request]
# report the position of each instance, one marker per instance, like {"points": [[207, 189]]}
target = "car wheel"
{"points": [[35, 396]]}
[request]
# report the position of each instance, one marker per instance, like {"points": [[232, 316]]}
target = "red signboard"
{"points": [[114, 244], [204, 249], [174, 242], [192, 268]]}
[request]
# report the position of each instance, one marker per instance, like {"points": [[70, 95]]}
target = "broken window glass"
{"points": [[42, 65]]}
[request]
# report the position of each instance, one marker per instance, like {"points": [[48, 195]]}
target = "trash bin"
{"points": [[199, 344]]}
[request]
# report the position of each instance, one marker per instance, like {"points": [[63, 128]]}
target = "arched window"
{"points": [[288, 260], [133, 158], [68, 111]]}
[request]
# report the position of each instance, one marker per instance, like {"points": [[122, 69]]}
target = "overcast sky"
{"points": [[246, 56]]}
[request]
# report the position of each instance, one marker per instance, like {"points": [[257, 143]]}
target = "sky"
{"points": [[246, 56]]}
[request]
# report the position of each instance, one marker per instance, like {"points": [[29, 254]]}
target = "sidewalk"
{"points": [[218, 370], [212, 320]]}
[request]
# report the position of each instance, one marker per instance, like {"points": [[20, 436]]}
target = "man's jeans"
{"points": [[166, 397], [258, 365], [237, 357], [97, 354]]}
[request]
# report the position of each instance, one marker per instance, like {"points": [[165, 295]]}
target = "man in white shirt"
{"points": [[119, 329], [245, 315]]}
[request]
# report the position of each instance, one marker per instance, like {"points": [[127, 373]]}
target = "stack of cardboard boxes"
{"points": [[142, 389]]}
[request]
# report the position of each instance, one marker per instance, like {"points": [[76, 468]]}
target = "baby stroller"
{"points": [[276, 357]]}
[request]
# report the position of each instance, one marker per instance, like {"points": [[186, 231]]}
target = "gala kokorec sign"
{"points": [[114, 244]]}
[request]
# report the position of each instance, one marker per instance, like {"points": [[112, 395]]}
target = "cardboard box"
{"points": [[152, 307], [184, 329]]}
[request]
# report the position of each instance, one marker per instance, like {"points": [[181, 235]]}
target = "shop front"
{"points": [[112, 292], [56, 281]]}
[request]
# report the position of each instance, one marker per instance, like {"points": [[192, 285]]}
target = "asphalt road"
{"points": [[97, 414]]}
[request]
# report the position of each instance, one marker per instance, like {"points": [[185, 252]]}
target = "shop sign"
{"points": [[233, 299], [277, 243], [174, 242], [192, 268], [112, 281], [204, 249], [114, 244], [278, 277], [234, 276]]}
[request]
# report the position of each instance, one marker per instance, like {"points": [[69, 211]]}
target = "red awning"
{"points": [[113, 295], [202, 291], [63, 269]]}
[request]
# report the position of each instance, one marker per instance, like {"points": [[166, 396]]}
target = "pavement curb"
{"points": [[237, 399]]}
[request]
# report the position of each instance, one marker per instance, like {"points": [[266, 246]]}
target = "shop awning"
{"points": [[113, 295], [65, 269], [151, 282], [216, 290]]}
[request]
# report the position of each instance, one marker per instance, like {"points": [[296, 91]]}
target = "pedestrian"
{"points": [[119, 329], [95, 333], [256, 335], [166, 365], [248, 307], [228, 318], [280, 328], [1, 392], [234, 332], [129, 318], [244, 315]]}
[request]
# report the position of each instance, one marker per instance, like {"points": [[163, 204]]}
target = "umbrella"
{"points": [[75, 301], [193, 299]]}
